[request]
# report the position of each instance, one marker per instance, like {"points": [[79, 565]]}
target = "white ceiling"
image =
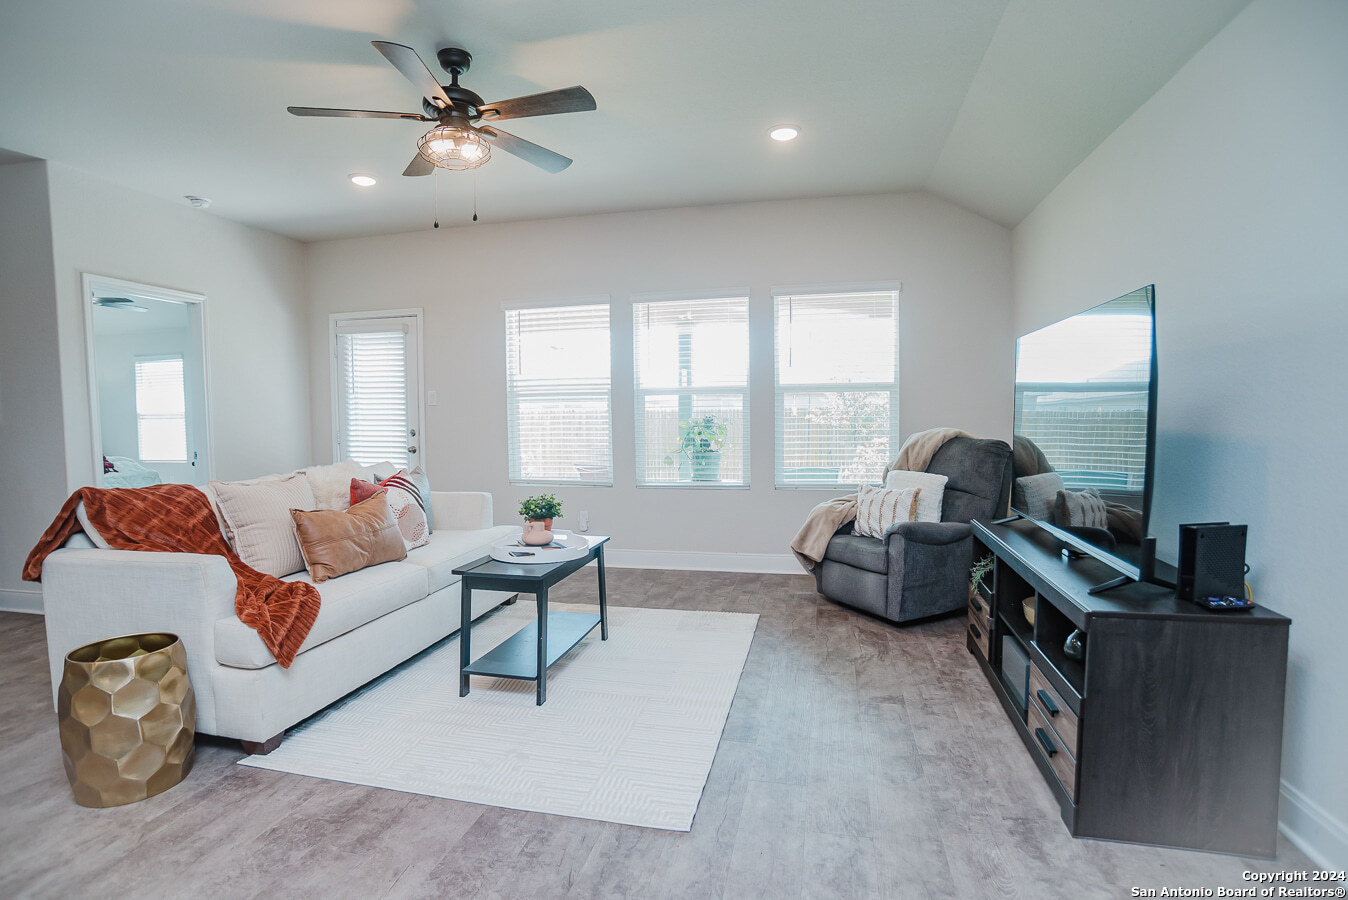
{"points": [[989, 103]]}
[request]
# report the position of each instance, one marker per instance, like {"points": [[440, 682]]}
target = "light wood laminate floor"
{"points": [[859, 760]]}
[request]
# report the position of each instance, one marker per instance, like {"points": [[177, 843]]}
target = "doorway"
{"points": [[147, 384]]}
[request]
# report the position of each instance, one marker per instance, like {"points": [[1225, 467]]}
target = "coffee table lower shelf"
{"points": [[517, 655]]}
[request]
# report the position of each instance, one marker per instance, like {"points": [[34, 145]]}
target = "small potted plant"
{"points": [[978, 575], [702, 439], [538, 512], [541, 508]]}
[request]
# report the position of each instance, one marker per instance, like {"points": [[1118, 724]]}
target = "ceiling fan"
{"points": [[458, 141]]}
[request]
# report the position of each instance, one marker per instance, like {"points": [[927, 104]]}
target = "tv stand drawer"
{"points": [[1049, 746], [1054, 711], [981, 632]]}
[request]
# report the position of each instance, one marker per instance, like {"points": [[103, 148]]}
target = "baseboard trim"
{"points": [[761, 563], [24, 601], [1313, 829]]}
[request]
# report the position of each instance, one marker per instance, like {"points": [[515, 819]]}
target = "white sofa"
{"points": [[369, 621]]}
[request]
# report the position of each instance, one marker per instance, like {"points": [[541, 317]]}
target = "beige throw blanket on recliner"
{"points": [[825, 519]]}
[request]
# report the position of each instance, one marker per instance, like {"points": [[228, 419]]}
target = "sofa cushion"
{"points": [[348, 602], [857, 550], [447, 550], [257, 520], [337, 541], [329, 483]]}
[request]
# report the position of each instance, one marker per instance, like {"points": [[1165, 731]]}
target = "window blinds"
{"points": [[836, 387], [691, 361], [373, 402], [558, 403], [161, 409]]}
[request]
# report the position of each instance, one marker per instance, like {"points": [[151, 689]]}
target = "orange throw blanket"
{"points": [[177, 518]]}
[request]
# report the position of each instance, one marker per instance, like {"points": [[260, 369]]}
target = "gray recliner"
{"points": [[921, 569]]}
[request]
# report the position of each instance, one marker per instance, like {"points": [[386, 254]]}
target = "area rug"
{"points": [[627, 735]]}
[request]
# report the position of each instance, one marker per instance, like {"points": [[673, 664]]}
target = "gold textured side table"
{"points": [[128, 718]]}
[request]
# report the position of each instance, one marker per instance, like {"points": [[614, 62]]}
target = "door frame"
{"points": [[200, 323], [334, 413]]}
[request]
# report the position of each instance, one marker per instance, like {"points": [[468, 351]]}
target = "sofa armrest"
{"points": [[934, 534], [89, 595], [462, 510]]}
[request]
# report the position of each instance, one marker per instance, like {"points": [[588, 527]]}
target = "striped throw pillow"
{"points": [[416, 484], [879, 508]]}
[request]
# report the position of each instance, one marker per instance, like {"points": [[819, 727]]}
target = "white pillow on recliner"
{"points": [[879, 508], [930, 484]]}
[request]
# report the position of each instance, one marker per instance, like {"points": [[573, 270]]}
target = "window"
{"points": [[557, 394], [377, 377], [161, 409], [692, 391], [837, 389]]}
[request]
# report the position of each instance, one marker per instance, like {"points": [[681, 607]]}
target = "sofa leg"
{"points": [[511, 601], [262, 748]]}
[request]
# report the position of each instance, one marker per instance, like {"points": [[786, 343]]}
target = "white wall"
{"points": [[955, 345], [256, 323], [30, 407], [1229, 190]]}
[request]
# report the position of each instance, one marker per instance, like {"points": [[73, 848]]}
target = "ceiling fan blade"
{"points": [[548, 103], [532, 153], [419, 165], [354, 113], [405, 60]]}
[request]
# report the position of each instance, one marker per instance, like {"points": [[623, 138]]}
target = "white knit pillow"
{"points": [[879, 508], [930, 484]]}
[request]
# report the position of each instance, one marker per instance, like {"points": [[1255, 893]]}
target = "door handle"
{"points": [[411, 449]]}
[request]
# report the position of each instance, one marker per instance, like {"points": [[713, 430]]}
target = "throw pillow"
{"points": [[879, 508], [1080, 509], [329, 483], [409, 515], [337, 541], [362, 490], [403, 506], [257, 520], [931, 485], [416, 483], [1033, 495]]}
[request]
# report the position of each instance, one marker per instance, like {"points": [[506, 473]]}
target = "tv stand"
{"points": [[1168, 729]]}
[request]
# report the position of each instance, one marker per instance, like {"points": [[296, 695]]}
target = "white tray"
{"points": [[573, 547]]}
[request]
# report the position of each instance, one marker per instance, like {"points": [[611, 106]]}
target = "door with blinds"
{"points": [[377, 389]]}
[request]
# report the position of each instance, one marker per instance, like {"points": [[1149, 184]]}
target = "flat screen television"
{"points": [[1085, 432]]}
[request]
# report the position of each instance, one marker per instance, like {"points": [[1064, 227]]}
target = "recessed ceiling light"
{"points": [[197, 202], [362, 180], [784, 132]]}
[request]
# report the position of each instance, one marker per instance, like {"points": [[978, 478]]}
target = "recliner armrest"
{"points": [[933, 533]]}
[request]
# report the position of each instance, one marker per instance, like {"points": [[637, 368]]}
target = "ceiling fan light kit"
{"points": [[457, 142], [454, 147]]}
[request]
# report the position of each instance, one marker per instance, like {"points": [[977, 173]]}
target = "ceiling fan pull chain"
{"points": [[475, 196], [435, 178]]}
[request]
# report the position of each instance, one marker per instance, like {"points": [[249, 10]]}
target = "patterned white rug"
{"points": [[627, 735]]}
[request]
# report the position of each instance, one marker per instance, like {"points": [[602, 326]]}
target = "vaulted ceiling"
{"points": [[988, 103]]}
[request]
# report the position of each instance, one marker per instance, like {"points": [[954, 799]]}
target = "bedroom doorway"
{"points": [[147, 384]]}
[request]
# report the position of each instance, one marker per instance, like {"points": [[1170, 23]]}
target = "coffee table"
{"points": [[527, 654]]}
